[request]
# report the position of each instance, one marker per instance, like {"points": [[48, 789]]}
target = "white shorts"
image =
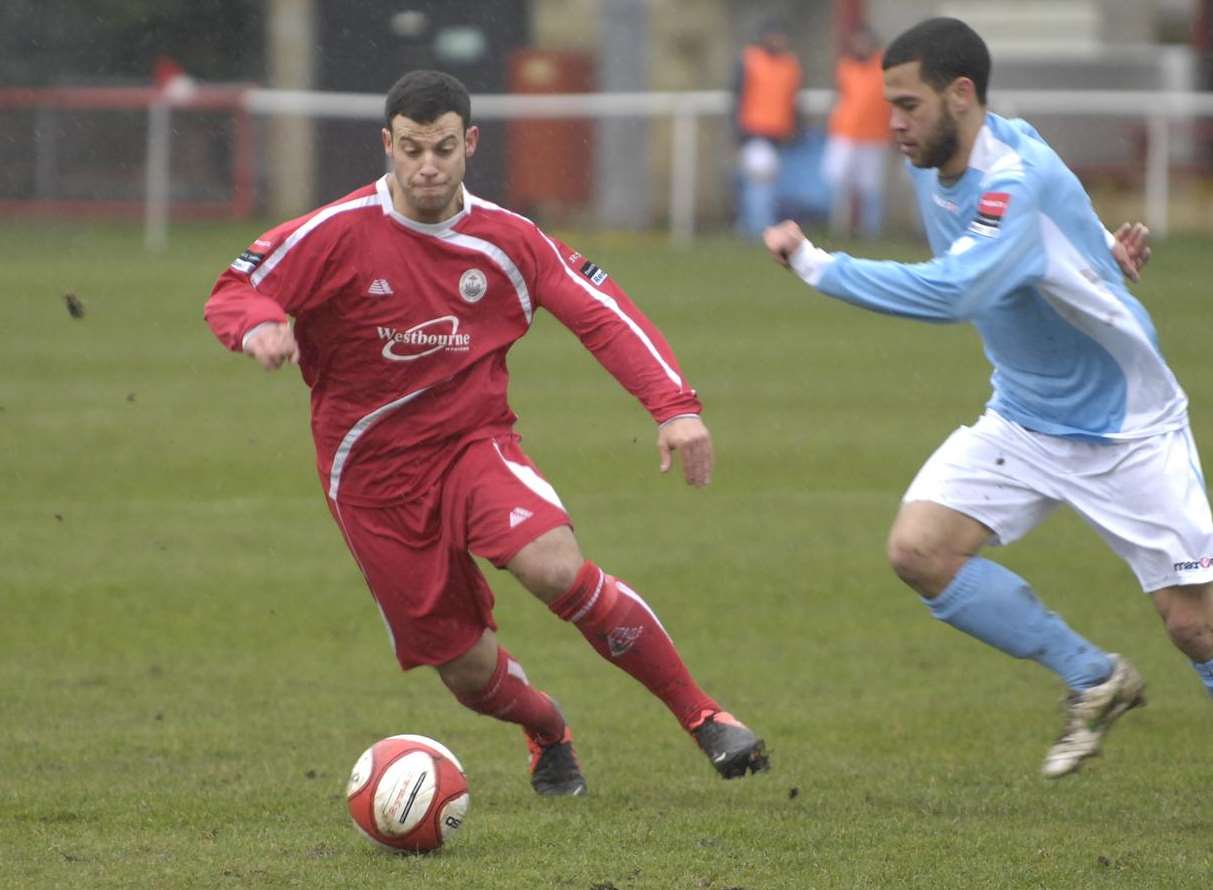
{"points": [[1145, 497]]}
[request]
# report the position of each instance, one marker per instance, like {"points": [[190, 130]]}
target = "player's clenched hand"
{"points": [[783, 240], [691, 439], [271, 345], [1132, 249]]}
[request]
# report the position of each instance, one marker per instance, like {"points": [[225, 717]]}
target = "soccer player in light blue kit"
{"points": [[1085, 411]]}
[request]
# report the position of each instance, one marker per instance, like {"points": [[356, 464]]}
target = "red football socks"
{"points": [[623, 630], [508, 696]]}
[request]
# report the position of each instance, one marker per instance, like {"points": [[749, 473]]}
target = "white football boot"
{"points": [[1090, 714]]}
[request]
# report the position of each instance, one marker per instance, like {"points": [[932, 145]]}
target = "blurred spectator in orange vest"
{"points": [[767, 80], [858, 143]]}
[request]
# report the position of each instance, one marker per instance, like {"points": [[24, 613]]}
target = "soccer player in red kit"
{"points": [[406, 296]]}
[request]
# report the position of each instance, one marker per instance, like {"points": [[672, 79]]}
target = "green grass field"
{"points": [[190, 662]]}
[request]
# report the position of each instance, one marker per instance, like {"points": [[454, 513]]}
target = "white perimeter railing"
{"points": [[684, 110]]}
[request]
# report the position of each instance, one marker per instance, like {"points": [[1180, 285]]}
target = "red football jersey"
{"points": [[403, 329]]}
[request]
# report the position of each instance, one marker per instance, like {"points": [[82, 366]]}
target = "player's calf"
{"points": [[508, 696], [621, 627]]}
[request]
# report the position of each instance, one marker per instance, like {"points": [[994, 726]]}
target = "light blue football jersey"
{"points": [[1020, 254]]}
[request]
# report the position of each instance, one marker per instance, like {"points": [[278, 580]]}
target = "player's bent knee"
{"points": [[463, 679], [1190, 631], [548, 566], [471, 671], [910, 561]]}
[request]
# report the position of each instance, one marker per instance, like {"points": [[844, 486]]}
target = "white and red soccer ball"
{"points": [[408, 793]]}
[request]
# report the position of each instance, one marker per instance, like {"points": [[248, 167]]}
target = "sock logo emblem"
{"points": [[621, 639]]}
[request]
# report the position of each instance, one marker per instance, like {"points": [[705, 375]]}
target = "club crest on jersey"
{"points": [[424, 339], [991, 208], [473, 285]]}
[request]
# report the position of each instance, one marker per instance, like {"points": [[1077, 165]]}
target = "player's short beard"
{"points": [[944, 140], [431, 204]]}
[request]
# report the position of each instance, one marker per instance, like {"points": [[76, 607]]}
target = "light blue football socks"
{"points": [[1204, 670], [996, 606]]}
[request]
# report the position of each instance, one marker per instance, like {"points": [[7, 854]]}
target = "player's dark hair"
{"points": [[425, 95], [946, 49]]}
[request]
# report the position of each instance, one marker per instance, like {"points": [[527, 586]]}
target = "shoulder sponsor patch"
{"points": [[248, 261], [594, 273], [991, 207]]}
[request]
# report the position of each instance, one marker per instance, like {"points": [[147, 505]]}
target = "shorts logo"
{"points": [[424, 339], [594, 273], [473, 285], [247, 261], [519, 515], [1191, 565], [621, 639], [990, 210]]}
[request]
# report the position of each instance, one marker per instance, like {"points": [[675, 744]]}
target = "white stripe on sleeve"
{"points": [[609, 301], [271, 262]]}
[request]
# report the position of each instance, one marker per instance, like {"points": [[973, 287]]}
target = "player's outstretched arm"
{"points": [[271, 344], [1131, 249], [690, 438]]}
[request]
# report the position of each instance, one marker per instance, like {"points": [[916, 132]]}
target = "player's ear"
{"points": [[471, 138], [387, 141], [962, 94]]}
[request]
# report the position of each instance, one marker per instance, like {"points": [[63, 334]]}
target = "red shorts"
{"points": [[416, 555]]}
